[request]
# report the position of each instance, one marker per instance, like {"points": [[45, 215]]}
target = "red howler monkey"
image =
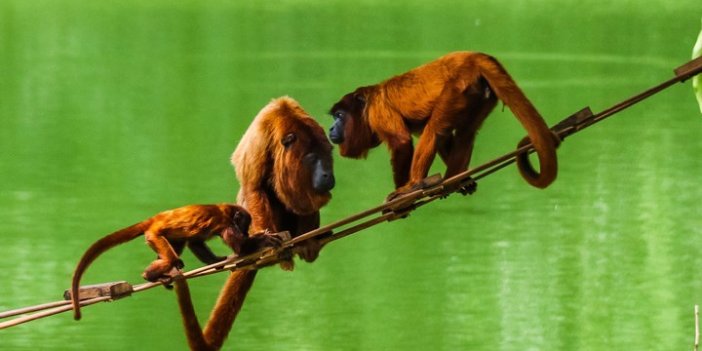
{"points": [[446, 102], [284, 166], [168, 232]]}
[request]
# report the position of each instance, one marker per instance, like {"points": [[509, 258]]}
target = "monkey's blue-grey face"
{"points": [[336, 132], [322, 171], [350, 129], [318, 162]]}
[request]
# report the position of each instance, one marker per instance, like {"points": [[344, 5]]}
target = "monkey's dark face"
{"points": [[316, 160], [336, 132], [237, 232], [350, 129], [321, 168], [303, 167], [241, 220]]}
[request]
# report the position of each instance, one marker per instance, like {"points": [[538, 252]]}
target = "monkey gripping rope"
{"points": [[432, 188]]}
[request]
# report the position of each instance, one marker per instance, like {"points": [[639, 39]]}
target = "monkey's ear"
{"points": [[360, 98], [288, 139]]}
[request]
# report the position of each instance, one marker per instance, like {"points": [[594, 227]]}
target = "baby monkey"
{"points": [[168, 232]]}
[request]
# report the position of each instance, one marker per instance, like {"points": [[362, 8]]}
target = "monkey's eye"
{"points": [[288, 139], [309, 159], [338, 115]]}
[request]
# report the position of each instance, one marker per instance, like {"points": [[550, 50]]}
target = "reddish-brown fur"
{"points": [[170, 231], [277, 189], [446, 102]]}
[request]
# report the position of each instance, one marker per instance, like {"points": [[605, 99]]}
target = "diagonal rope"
{"points": [[398, 208]]}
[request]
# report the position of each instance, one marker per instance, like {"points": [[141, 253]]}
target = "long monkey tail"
{"points": [[95, 250], [225, 311], [228, 306], [543, 139]]}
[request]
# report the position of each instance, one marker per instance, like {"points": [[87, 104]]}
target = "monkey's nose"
{"points": [[324, 182]]}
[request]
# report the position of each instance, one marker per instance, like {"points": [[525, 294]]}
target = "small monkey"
{"points": [[168, 232]]}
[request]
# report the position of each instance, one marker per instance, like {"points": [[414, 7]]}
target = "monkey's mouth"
{"points": [[336, 139], [350, 153], [322, 184]]}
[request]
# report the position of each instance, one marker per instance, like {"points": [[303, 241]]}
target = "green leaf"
{"points": [[697, 80]]}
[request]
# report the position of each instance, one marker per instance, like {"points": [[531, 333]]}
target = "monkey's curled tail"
{"points": [[95, 250], [543, 139]]}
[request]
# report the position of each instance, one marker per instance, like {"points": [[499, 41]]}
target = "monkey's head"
{"points": [[237, 231], [303, 170], [351, 130], [286, 153], [241, 219]]}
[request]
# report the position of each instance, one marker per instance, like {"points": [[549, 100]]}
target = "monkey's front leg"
{"points": [[422, 159], [262, 217], [401, 154], [167, 258], [309, 250]]}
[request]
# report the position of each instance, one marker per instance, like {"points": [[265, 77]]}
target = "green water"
{"points": [[112, 111]]}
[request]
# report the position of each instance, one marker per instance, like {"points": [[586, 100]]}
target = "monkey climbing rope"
{"points": [[433, 188]]}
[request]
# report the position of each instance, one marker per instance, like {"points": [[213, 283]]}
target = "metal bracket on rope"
{"points": [[113, 290], [572, 123]]}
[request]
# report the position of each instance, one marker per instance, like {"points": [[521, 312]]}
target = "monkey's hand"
{"points": [[400, 208], [266, 239], [168, 278], [401, 191], [309, 249], [262, 241], [425, 183]]}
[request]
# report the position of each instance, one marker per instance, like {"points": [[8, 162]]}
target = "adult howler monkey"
{"points": [[446, 102], [284, 166]]}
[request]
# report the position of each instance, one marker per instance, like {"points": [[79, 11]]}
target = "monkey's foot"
{"points": [[162, 276], [468, 187]]}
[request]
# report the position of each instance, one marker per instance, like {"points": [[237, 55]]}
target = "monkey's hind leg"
{"points": [[459, 147]]}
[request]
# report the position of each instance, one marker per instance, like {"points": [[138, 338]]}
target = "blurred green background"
{"points": [[112, 111]]}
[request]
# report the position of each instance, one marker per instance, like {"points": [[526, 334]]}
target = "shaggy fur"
{"points": [[276, 189], [444, 101]]}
